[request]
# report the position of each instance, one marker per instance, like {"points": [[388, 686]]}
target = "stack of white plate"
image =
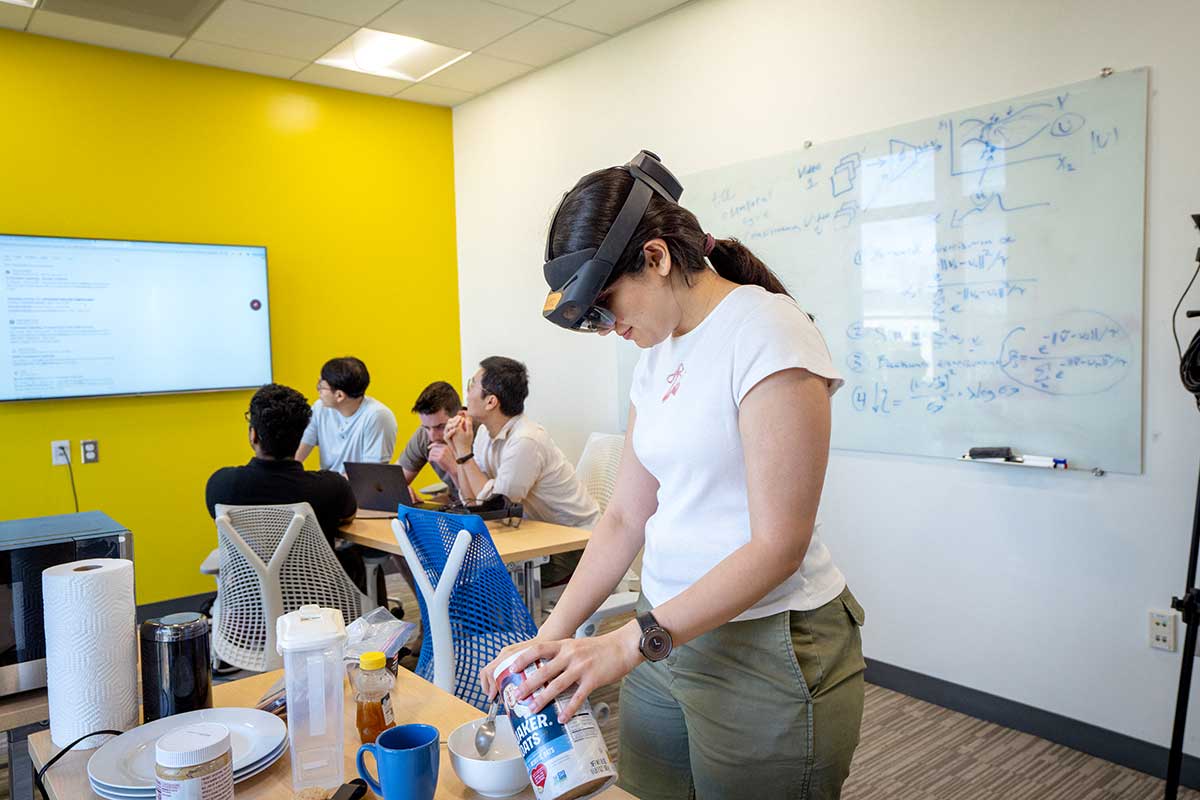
{"points": [[123, 768]]}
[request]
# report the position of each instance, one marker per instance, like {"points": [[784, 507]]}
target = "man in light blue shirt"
{"points": [[347, 425]]}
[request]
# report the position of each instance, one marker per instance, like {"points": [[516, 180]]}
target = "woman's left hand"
{"points": [[590, 662]]}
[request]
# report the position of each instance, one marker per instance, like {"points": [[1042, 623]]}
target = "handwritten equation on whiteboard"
{"points": [[977, 276]]}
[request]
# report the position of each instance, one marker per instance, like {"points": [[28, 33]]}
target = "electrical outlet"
{"points": [[89, 451], [60, 452], [1162, 630]]}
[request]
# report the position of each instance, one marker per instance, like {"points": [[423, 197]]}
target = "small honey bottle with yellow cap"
{"points": [[372, 695]]}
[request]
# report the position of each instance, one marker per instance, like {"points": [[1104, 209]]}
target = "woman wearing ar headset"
{"points": [[743, 672]]}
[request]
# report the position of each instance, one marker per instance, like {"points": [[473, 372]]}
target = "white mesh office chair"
{"points": [[597, 470], [274, 559]]}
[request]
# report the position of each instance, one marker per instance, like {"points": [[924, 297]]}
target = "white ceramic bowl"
{"points": [[502, 774]]}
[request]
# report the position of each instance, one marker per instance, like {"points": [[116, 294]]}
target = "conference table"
{"points": [[413, 700], [524, 549]]}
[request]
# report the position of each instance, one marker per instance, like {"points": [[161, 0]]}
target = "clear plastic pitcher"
{"points": [[312, 641]]}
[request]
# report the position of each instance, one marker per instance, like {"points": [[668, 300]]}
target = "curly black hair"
{"points": [[279, 414]]}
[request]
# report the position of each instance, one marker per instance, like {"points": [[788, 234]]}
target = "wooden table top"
{"points": [[413, 700], [26, 708], [531, 540]]}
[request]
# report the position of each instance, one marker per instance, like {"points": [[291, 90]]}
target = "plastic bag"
{"points": [[377, 630]]}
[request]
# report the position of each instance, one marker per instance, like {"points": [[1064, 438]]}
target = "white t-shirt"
{"points": [[527, 467], [368, 435], [687, 391]]}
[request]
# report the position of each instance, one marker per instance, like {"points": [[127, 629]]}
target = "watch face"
{"points": [[656, 644]]}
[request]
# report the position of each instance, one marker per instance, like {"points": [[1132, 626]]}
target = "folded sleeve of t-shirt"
{"points": [[379, 437], [310, 433], [415, 456], [779, 336]]}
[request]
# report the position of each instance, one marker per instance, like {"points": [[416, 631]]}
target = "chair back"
{"points": [[274, 559], [466, 596], [597, 468]]}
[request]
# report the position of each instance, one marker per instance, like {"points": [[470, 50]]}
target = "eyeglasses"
{"points": [[322, 386], [511, 522], [482, 391]]}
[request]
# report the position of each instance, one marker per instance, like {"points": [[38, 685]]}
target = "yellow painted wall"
{"points": [[353, 196]]}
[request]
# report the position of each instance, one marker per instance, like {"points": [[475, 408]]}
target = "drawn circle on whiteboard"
{"points": [[1078, 352], [1067, 124]]}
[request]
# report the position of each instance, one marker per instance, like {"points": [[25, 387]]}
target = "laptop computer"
{"points": [[380, 489]]}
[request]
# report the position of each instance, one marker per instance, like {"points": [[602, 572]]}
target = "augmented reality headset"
{"points": [[576, 279]]}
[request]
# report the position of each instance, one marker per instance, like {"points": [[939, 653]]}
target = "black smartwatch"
{"points": [[465, 459], [656, 642]]}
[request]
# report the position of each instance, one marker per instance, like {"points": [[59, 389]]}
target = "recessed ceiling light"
{"points": [[25, 3], [391, 55]]}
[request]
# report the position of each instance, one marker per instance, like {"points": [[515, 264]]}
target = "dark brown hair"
{"points": [[590, 208], [438, 396]]}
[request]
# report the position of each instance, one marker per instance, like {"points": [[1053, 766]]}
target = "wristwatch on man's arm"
{"points": [[656, 642]]}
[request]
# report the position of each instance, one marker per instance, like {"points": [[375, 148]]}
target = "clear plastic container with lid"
{"points": [[194, 763], [373, 683], [312, 641]]}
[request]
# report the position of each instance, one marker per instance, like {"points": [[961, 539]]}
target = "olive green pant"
{"points": [[763, 709]]}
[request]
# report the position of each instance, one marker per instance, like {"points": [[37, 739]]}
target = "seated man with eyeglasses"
{"points": [[277, 418], [347, 425], [515, 457]]}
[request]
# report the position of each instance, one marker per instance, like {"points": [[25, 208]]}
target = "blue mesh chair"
{"points": [[470, 609]]}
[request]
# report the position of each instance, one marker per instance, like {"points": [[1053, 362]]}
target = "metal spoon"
{"points": [[486, 732]]}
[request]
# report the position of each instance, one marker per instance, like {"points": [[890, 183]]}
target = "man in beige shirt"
{"points": [[514, 456]]}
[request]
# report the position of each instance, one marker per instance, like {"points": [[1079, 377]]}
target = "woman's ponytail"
{"points": [[733, 261]]}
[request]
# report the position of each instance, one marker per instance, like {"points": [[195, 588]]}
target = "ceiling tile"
{"points": [[543, 42], [351, 80], [175, 18], [464, 24], [14, 17], [219, 55], [355, 12], [77, 29], [271, 30], [477, 73], [539, 7], [612, 16], [436, 95]]}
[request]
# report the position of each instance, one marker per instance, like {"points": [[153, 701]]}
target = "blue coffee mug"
{"points": [[407, 759]]}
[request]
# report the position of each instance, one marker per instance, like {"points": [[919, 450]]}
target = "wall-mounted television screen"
{"points": [[92, 317]]}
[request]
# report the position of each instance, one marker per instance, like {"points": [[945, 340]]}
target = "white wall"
{"points": [[1034, 586]]}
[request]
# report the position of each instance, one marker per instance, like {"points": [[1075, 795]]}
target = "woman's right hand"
{"points": [[485, 675]]}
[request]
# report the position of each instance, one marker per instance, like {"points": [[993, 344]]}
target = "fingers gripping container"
{"points": [[564, 761], [312, 641]]}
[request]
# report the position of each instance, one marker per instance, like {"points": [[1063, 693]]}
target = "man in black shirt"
{"points": [[278, 416]]}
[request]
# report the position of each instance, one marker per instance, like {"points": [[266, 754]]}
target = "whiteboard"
{"points": [[977, 276]]}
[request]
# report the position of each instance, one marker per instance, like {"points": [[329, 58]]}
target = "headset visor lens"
{"points": [[597, 320]]}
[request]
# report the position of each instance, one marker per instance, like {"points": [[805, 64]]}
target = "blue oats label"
{"points": [[564, 761]]}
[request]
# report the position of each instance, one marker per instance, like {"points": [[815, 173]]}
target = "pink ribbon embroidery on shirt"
{"points": [[673, 381]]}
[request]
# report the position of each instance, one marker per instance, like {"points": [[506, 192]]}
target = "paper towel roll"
{"points": [[91, 649]]}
